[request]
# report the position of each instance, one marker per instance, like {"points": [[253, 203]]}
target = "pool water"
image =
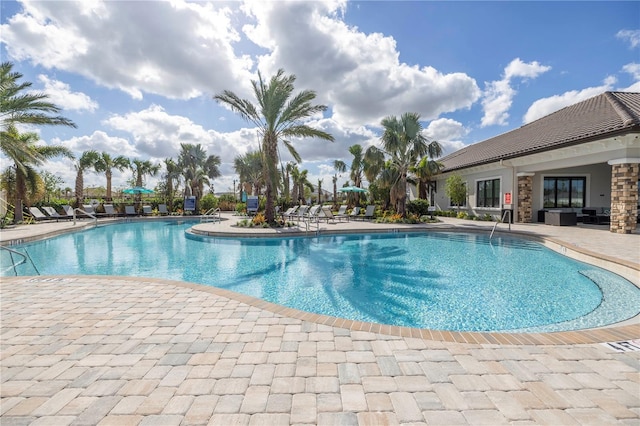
{"points": [[437, 280]]}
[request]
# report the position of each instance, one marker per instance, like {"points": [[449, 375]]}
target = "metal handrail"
{"points": [[77, 209], [501, 221], [25, 256], [211, 213]]}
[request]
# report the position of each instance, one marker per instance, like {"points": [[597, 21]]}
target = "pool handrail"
{"points": [[78, 209], [24, 256], [501, 221], [211, 213]]}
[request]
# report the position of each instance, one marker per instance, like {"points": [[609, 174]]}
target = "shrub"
{"points": [[208, 202], [419, 207], [462, 215], [241, 208], [259, 219]]}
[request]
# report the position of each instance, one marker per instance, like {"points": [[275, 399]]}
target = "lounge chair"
{"points": [[37, 214], [146, 210], [109, 210], [369, 212], [162, 209], [291, 211], [355, 213], [68, 211], [53, 213], [302, 211], [314, 212], [342, 213], [329, 216], [130, 211], [89, 210]]}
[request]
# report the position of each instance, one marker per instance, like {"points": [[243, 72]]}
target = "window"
{"points": [[564, 191], [488, 193]]}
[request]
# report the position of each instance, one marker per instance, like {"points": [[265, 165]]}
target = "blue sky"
{"points": [[138, 77]]}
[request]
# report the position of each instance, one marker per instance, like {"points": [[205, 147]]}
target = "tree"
{"points": [[301, 182], [319, 191], [142, 168], [403, 141], [86, 161], [196, 165], [424, 171], [249, 169], [172, 175], [51, 184], [340, 167], [456, 190], [19, 106], [278, 117], [105, 164], [26, 156]]}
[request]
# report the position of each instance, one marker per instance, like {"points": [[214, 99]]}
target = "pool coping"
{"points": [[626, 330]]}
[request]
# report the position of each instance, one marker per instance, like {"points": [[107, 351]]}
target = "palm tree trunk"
{"points": [[79, 188], [402, 199], [108, 197]]}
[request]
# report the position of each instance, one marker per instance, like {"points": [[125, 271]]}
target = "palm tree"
{"points": [[194, 157], [105, 164], [142, 168], [424, 172], [17, 106], [403, 141], [86, 161], [249, 169], [301, 182], [173, 173], [286, 173], [26, 155], [278, 117], [319, 191], [340, 167]]}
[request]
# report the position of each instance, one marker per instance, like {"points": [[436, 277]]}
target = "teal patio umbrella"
{"points": [[138, 190], [352, 189]]}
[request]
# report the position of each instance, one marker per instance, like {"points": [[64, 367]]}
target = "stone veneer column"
{"points": [[624, 195], [525, 197]]}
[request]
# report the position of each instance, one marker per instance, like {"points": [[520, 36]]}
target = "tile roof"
{"points": [[604, 115]]}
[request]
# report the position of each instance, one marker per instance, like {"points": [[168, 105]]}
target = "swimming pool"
{"points": [[438, 280]]}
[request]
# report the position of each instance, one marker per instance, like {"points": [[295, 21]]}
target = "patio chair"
{"points": [[68, 211], [252, 205], [53, 213], [37, 214], [146, 211], [291, 211], [369, 212], [109, 210], [314, 212], [162, 209], [355, 213], [342, 213], [329, 216], [88, 209], [130, 211], [302, 211]]}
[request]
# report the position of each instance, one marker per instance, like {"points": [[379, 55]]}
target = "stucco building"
{"points": [[584, 156]]}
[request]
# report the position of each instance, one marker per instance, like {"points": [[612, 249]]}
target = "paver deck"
{"points": [[125, 350]]}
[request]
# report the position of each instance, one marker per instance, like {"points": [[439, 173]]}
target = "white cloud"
{"points": [[633, 69], [359, 74], [632, 36], [448, 133], [61, 95], [499, 94], [546, 106], [175, 49]]}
